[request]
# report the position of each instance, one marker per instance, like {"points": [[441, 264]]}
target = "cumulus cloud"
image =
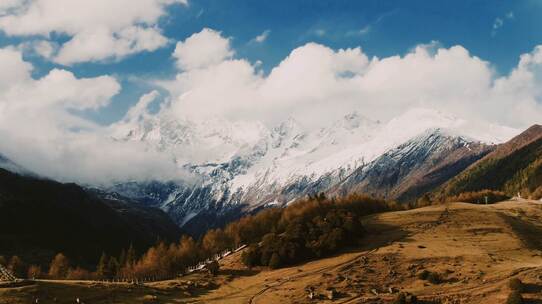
{"points": [[316, 84], [40, 131], [97, 30], [202, 50]]}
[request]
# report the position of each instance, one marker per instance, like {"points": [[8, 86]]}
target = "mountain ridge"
{"points": [[288, 162], [514, 166], [40, 217]]}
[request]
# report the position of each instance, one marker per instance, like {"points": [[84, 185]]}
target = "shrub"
{"points": [[274, 262], [423, 274], [434, 278], [537, 193], [250, 256], [514, 298], [400, 298], [479, 197], [213, 267], [405, 298], [515, 284]]}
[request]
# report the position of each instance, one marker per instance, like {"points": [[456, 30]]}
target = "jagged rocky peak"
{"points": [[244, 165]]}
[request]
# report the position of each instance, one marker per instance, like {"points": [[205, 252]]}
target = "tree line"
{"points": [[312, 227]]}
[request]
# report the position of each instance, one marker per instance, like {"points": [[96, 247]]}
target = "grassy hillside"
{"points": [[454, 253], [513, 167]]}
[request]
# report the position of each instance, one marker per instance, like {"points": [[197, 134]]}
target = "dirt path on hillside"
{"points": [[475, 249]]}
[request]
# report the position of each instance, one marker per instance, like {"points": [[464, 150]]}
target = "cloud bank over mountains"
{"points": [[41, 129], [315, 84]]}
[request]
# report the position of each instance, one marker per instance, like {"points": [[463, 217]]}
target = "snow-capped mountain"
{"points": [[246, 165], [415, 167]]}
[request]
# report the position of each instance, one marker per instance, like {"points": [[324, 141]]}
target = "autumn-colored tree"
{"points": [[187, 253], [59, 267], [122, 258], [150, 262], [250, 256], [17, 266], [78, 273], [216, 241], [34, 272]]}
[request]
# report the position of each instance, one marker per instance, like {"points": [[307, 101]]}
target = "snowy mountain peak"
{"points": [[246, 163]]}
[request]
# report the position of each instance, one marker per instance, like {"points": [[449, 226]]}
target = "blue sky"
{"points": [[496, 31]]}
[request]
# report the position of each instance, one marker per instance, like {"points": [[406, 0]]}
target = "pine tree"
{"points": [[113, 267], [102, 267], [122, 258], [130, 256], [274, 262]]}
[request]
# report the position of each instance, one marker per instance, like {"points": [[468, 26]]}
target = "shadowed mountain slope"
{"points": [[39, 218], [515, 166]]}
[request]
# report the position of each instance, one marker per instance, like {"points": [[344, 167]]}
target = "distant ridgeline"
{"points": [[514, 167]]}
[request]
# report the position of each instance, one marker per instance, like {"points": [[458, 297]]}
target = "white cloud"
{"points": [[202, 49], [499, 22], [97, 30], [140, 110], [313, 84], [7, 5], [316, 84], [45, 49], [14, 69], [262, 37], [40, 131], [101, 43]]}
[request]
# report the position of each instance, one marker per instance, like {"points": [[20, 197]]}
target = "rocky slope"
{"points": [[243, 166], [415, 167]]}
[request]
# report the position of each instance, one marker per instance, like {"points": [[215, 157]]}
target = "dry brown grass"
{"points": [[474, 249]]}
